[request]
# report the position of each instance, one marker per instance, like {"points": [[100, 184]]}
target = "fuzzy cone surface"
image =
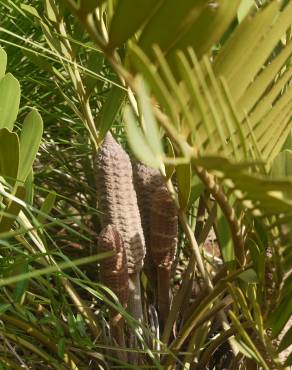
{"points": [[117, 199], [113, 270]]}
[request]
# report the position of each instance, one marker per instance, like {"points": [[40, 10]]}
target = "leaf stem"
{"points": [[227, 210]]}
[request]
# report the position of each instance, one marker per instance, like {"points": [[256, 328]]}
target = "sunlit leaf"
{"points": [[169, 168], [3, 62], [31, 135], [249, 276], [121, 31], [150, 124], [9, 155], [47, 206], [29, 188], [183, 176], [225, 238], [9, 101], [12, 210], [138, 142], [244, 9], [51, 11], [31, 10], [110, 110], [197, 188], [282, 165], [20, 267]]}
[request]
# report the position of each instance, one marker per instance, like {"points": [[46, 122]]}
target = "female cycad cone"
{"points": [[164, 228], [114, 270], [146, 180], [117, 199], [163, 240], [114, 274]]}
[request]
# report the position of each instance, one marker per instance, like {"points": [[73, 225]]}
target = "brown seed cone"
{"points": [[164, 228], [114, 270], [146, 181], [117, 199], [114, 274]]}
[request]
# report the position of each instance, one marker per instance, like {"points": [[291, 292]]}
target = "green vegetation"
{"points": [[200, 93]]}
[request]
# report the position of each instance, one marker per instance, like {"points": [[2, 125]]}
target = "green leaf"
{"points": [[20, 267], [142, 64], [87, 6], [29, 188], [244, 9], [288, 362], [256, 90], [262, 236], [172, 21], [286, 340], [94, 63], [4, 307], [244, 349], [288, 142], [246, 47], [150, 126], [31, 10], [47, 206], [169, 168], [61, 347], [128, 18], [225, 239], [247, 343], [110, 110], [183, 176], [249, 276], [195, 31], [9, 101], [280, 316], [53, 40], [282, 165], [197, 187], [138, 142], [39, 60], [258, 259], [51, 11], [9, 155], [11, 211], [240, 301], [3, 62], [31, 135]]}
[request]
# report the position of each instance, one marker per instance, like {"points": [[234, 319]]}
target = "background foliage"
{"points": [[204, 91]]}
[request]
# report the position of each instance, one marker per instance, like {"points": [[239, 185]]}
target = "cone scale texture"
{"points": [[117, 199]]}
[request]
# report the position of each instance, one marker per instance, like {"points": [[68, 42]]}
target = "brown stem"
{"points": [[134, 303], [200, 218], [227, 210], [163, 293], [135, 309], [117, 324]]}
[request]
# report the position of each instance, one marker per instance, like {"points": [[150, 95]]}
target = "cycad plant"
{"points": [[208, 113], [214, 78]]}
